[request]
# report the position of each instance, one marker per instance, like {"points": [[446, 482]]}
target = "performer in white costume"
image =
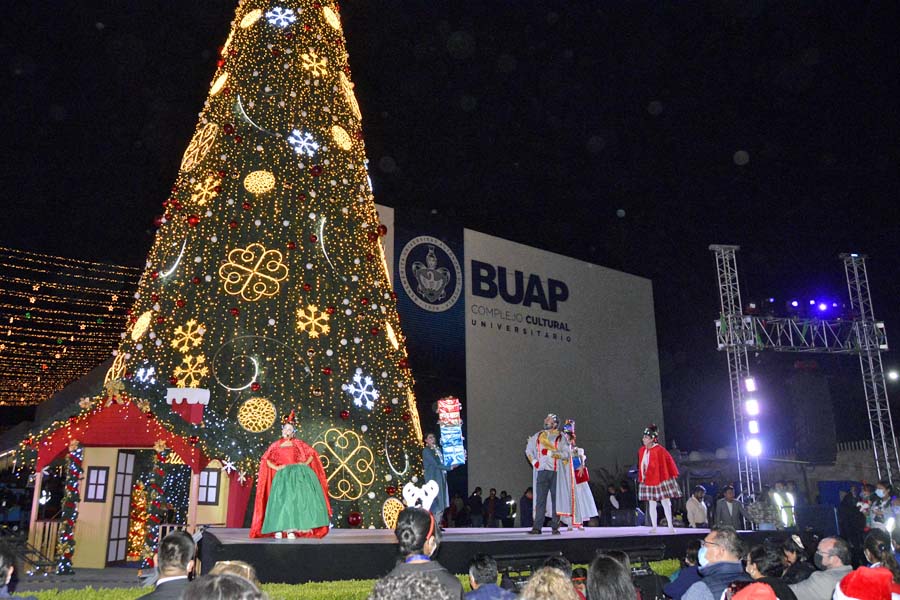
{"points": [[584, 497]]}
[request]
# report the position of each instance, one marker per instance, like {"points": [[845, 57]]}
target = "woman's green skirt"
{"points": [[295, 501]]}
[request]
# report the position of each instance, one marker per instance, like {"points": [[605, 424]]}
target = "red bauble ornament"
{"points": [[363, 300], [393, 295], [154, 297], [254, 386], [388, 409], [193, 220], [291, 245], [247, 206], [354, 519], [391, 490], [234, 311], [403, 363], [233, 224], [218, 189], [160, 320], [301, 197], [372, 235], [370, 257], [193, 440], [326, 370], [316, 170], [158, 221], [195, 280], [275, 51], [221, 173], [314, 238], [180, 303], [289, 35], [228, 128], [173, 381], [306, 287], [345, 414], [406, 416], [329, 310], [374, 331], [220, 63], [238, 139], [154, 274]]}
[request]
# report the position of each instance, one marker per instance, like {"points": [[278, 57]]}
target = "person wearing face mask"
{"points": [[833, 563], [419, 538], [548, 452], [291, 498], [720, 564], [880, 509]]}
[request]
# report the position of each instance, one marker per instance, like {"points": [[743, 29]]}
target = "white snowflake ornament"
{"points": [[281, 17], [362, 390]]}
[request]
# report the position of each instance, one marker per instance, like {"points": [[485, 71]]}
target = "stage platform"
{"points": [[369, 554]]}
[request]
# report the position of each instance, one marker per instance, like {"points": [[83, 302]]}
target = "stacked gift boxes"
{"points": [[451, 431]]}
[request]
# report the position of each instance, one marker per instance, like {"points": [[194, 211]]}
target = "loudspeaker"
{"points": [[814, 431], [622, 518]]}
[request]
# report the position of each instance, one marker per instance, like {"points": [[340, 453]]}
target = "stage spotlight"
{"points": [[794, 303], [823, 307], [754, 447], [771, 300], [753, 427], [752, 407], [834, 305], [812, 302], [893, 375], [750, 384]]}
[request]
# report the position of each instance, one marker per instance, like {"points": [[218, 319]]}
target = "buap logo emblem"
{"points": [[430, 273]]}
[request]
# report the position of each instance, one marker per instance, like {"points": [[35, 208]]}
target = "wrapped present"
{"points": [[452, 445], [449, 411], [454, 456]]}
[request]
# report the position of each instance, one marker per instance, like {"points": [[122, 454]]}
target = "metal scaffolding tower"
{"points": [[861, 335], [871, 340], [734, 334]]}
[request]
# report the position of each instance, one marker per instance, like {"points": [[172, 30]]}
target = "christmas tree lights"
{"points": [[137, 522], [65, 546], [266, 283]]}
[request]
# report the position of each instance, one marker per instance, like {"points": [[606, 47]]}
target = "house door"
{"points": [[121, 507]]}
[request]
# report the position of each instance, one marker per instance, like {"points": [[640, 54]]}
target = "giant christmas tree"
{"points": [[267, 282]]}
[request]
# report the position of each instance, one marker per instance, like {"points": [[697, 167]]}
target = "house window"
{"points": [[97, 478], [209, 487]]}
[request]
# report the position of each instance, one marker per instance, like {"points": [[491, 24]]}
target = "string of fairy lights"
{"points": [[59, 318]]}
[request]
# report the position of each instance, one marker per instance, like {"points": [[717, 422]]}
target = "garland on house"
{"points": [[65, 546], [137, 528], [156, 506]]}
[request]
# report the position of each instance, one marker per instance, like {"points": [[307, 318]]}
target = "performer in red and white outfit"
{"points": [[657, 475], [585, 507]]}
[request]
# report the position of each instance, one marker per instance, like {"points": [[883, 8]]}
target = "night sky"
{"points": [[631, 135]]}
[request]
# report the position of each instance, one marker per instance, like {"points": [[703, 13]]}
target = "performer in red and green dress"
{"points": [[291, 491], [657, 475]]}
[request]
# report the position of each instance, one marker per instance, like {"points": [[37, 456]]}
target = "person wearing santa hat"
{"points": [[865, 583]]}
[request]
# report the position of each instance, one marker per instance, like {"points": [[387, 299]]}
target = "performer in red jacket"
{"points": [[657, 473], [291, 490]]}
